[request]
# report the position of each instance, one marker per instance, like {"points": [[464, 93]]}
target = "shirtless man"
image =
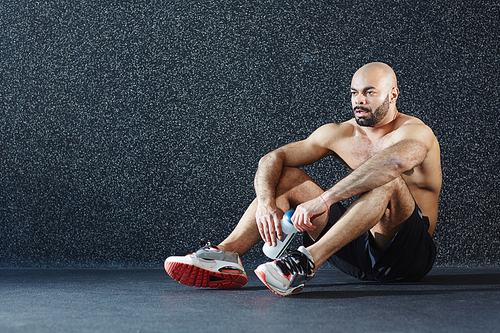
{"points": [[384, 235]]}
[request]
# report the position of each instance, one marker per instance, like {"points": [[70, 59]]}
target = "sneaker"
{"points": [[209, 267], [288, 274]]}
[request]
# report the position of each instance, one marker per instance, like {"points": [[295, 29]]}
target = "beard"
{"points": [[374, 117]]}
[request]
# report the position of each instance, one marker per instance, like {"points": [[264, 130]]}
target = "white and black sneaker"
{"points": [[209, 267], [288, 274]]}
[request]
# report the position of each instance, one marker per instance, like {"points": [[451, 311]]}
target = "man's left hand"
{"points": [[306, 212]]}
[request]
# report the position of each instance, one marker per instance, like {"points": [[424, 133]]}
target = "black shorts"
{"points": [[409, 256]]}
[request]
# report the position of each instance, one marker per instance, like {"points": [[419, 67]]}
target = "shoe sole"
{"points": [[262, 277], [194, 276]]}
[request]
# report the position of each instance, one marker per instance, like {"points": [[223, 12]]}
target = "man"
{"points": [[384, 235]]}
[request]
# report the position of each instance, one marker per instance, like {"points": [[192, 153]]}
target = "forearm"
{"points": [[361, 180], [380, 169], [267, 177]]}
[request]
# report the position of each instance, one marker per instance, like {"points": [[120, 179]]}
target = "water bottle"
{"points": [[289, 232]]}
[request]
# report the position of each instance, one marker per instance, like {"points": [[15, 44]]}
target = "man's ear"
{"points": [[394, 95]]}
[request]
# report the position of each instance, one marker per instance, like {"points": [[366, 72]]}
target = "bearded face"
{"points": [[369, 118]]}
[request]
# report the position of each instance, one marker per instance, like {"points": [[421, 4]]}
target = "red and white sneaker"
{"points": [[209, 267], [289, 273]]}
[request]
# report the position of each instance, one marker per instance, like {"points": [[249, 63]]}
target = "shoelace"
{"points": [[295, 262], [206, 245]]}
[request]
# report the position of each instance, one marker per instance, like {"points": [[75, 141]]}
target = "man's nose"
{"points": [[360, 99]]}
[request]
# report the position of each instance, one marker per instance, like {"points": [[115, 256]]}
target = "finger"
{"points": [[265, 231], [261, 230], [300, 223], [277, 226], [307, 221], [269, 227], [296, 219], [272, 231], [309, 227]]}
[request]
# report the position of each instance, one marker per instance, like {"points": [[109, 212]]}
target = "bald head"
{"points": [[376, 72]]}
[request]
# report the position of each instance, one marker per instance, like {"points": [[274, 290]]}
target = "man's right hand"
{"points": [[268, 218]]}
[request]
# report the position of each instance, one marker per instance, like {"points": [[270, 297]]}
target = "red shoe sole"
{"points": [[194, 276]]}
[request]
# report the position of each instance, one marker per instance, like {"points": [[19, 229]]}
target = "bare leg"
{"points": [[382, 211], [294, 188]]}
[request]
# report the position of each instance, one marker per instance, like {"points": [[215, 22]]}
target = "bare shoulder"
{"points": [[406, 120], [413, 128], [332, 134], [337, 127], [335, 130]]}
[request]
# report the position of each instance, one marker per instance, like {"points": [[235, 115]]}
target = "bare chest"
{"points": [[358, 149]]}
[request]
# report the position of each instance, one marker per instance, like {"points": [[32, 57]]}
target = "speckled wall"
{"points": [[131, 129]]}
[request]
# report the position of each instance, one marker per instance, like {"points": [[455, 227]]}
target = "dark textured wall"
{"points": [[131, 129]]}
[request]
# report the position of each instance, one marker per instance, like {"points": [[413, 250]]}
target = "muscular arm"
{"points": [[412, 145], [267, 176], [380, 169], [269, 171]]}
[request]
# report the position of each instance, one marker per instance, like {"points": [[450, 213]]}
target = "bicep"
{"points": [[307, 151], [413, 146]]}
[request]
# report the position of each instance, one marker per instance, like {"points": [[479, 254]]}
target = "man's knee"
{"points": [[394, 194], [400, 199], [297, 186], [292, 177], [293, 172], [394, 188]]}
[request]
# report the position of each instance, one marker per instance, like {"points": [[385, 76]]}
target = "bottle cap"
{"points": [[288, 216]]}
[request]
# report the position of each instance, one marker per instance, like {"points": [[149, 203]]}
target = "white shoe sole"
{"points": [[264, 275]]}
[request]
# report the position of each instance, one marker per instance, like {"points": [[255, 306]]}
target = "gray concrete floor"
{"points": [[147, 300]]}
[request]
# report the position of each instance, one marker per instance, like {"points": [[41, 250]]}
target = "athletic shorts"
{"points": [[409, 256]]}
